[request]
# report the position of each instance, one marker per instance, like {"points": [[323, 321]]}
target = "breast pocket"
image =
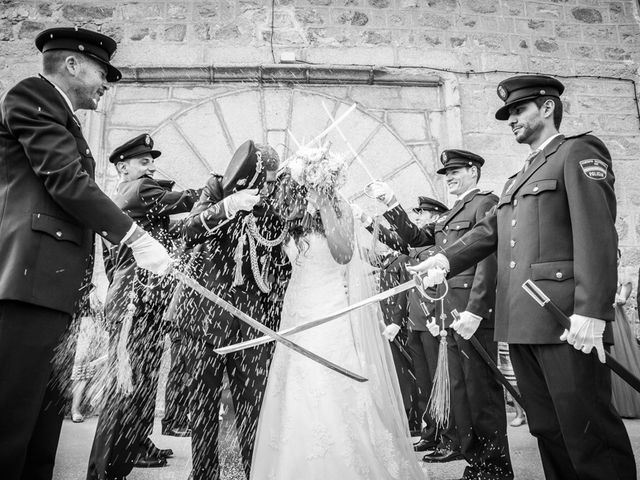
{"points": [[460, 226], [538, 187]]}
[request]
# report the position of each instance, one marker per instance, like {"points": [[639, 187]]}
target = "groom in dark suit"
{"points": [[237, 239]]}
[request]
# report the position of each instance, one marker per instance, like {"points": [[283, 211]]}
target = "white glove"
{"points": [[467, 324], [382, 192], [391, 331], [361, 215], [243, 200], [586, 333], [438, 261], [150, 254], [433, 327], [434, 277]]}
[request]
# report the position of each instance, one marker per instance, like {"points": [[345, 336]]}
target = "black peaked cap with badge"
{"points": [[523, 88], [95, 45], [457, 159], [136, 147], [430, 205]]}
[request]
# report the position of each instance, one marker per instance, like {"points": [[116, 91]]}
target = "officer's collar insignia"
{"points": [[242, 182], [502, 92], [259, 163], [594, 169], [147, 140]]}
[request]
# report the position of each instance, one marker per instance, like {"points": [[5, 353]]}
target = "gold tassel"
{"points": [[237, 256], [124, 374], [439, 400]]}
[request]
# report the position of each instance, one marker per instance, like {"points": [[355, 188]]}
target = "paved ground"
{"points": [[75, 445]]}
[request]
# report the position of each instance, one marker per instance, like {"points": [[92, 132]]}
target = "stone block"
{"points": [[605, 69], [277, 102], [538, 26], [114, 31], [149, 114], [616, 13], [143, 12], [502, 61], [600, 33], [240, 125], [546, 45], [411, 127], [514, 7], [203, 126], [440, 58], [379, 3], [629, 34], [446, 5], [433, 21], [580, 50], [376, 37], [85, 12], [587, 15], [614, 123], [161, 55], [550, 65], [312, 16], [177, 11], [6, 31], [494, 42], [175, 33], [229, 31], [544, 10], [350, 17], [480, 6], [617, 53], [137, 33], [569, 31], [399, 19], [191, 171], [237, 54]]}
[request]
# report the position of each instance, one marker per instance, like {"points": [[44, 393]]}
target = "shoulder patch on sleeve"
{"points": [[594, 169]]}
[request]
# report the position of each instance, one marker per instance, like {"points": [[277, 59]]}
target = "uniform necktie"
{"points": [[527, 162]]}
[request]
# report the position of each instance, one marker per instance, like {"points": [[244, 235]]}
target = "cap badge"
{"points": [[81, 48], [444, 157], [502, 92], [542, 92], [147, 140], [594, 169]]}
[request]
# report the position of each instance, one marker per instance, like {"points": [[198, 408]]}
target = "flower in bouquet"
{"points": [[319, 169]]}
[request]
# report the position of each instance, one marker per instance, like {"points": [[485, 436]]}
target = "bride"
{"points": [[315, 423]]}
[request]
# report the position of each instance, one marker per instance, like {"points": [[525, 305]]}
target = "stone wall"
{"points": [[563, 37]]}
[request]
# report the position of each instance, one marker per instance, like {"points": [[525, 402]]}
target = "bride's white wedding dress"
{"points": [[318, 424]]}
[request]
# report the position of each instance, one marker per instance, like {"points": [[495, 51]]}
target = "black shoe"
{"points": [[424, 445], [149, 462], [442, 456], [177, 432], [148, 449]]}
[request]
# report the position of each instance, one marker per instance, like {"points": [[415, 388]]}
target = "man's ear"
{"points": [[548, 107], [122, 167], [72, 64]]}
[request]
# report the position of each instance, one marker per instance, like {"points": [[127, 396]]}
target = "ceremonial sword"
{"points": [[539, 296], [322, 320], [191, 283]]}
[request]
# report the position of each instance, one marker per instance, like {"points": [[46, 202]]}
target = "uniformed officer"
{"points": [[555, 224], [51, 207], [127, 420], [477, 398]]}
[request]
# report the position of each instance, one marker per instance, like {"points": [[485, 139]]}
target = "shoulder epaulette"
{"points": [[578, 135]]}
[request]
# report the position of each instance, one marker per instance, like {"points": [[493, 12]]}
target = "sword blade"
{"points": [[191, 283], [320, 321]]}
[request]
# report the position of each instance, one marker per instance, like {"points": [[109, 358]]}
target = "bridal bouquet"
{"points": [[318, 169]]}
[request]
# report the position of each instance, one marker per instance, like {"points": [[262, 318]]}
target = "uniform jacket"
{"points": [[213, 266], [554, 224], [50, 205], [149, 202], [472, 289]]}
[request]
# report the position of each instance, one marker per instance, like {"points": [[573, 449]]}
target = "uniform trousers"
{"points": [[31, 397], [423, 348], [247, 372], [567, 397], [477, 403], [406, 380], [177, 390], [126, 420]]}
